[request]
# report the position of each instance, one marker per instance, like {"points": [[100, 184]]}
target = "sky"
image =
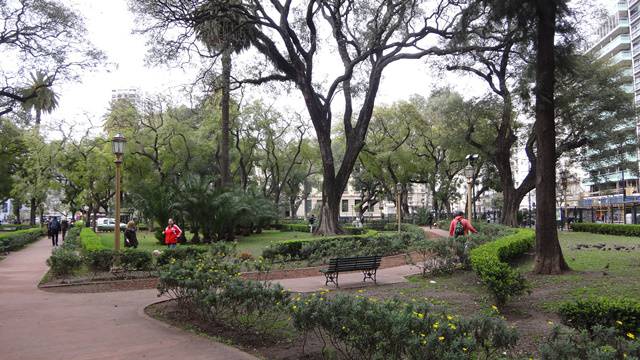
{"points": [[110, 25]]}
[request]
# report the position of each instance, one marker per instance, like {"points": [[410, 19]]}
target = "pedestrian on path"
{"points": [[460, 226], [64, 226], [171, 234], [54, 229], [130, 236]]}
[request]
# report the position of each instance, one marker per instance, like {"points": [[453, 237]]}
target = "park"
{"points": [[315, 179]]}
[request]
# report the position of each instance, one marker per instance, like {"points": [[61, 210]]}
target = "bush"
{"points": [[622, 314], [64, 262], [89, 240], [598, 344], [99, 260], [132, 259], [489, 263], [179, 254], [15, 240], [296, 227], [607, 229], [15, 227], [363, 328]]}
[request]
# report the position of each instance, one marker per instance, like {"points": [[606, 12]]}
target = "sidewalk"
{"points": [[35, 324], [435, 232]]}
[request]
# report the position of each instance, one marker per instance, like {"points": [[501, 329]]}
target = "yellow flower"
{"points": [[294, 307], [441, 338], [435, 325], [422, 334], [449, 317], [360, 291], [420, 316], [495, 308], [452, 327], [630, 335], [550, 322], [423, 342], [618, 322], [464, 349]]}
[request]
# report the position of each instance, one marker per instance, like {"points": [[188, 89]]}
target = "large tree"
{"points": [[365, 37], [40, 35]]}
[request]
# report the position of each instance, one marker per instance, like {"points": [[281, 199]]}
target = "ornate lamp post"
{"points": [[399, 204], [468, 173], [117, 147]]}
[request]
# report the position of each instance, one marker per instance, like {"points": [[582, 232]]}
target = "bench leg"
{"points": [[331, 278], [369, 274]]}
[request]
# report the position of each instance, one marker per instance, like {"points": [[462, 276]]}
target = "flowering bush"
{"points": [[600, 343], [622, 314], [365, 328]]}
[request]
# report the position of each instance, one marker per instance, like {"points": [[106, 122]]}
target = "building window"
{"points": [[345, 206]]}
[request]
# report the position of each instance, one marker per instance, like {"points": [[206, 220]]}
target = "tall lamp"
{"points": [[117, 147], [399, 204]]}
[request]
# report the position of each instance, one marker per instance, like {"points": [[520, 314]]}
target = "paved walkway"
{"points": [[435, 232], [39, 325]]}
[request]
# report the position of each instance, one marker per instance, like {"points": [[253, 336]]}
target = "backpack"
{"points": [[459, 229]]}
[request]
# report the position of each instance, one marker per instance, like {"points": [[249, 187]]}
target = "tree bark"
{"points": [[32, 211], [224, 118], [549, 258]]}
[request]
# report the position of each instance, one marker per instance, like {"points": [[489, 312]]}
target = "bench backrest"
{"points": [[355, 263]]}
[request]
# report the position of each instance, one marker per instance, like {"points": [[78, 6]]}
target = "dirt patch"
{"points": [[103, 286], [283, 348]]}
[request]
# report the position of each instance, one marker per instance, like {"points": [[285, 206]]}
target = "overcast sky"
{"points": [[110, 25]]}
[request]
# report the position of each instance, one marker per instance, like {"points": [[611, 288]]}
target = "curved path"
{"points": [[40, 325]]}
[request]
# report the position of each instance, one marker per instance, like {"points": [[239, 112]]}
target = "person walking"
{"points": [[171, 234], [130, 235], [54, 229], [64, 226], [460, 226]]}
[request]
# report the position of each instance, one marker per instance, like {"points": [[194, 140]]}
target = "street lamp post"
{"points": [[624, 195], [398, 204], [468, 173], [117, 147]]}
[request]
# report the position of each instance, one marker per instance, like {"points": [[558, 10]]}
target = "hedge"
{"points": [[14, 227], [607, 229], [489, 261], [351, 230], [15, 240], [90, 241], [622, 314], [369, 243]]}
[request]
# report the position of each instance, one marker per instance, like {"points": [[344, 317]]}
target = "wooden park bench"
{"points": [[367, 264]]}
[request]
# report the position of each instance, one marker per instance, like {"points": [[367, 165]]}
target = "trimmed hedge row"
{"points": [[14, 227], [622, 314], [90, 241], [369, 243], [351, 230], [15, 240], [607, 229], [489, 261]]}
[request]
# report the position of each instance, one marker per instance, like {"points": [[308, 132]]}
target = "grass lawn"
{"points": [[253, 244]]}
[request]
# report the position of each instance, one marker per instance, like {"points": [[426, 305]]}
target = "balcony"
{"points": [[620, 42]]}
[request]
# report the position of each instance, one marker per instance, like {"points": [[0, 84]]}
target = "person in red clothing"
{"points": [[460, 226], [171, 234]]}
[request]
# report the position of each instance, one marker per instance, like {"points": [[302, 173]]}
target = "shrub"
{"points": [[598, 344], [622, 314], [179, 254], [295, 227], [489, 263], [89, 240], [15, 227], [72, 239], [365, 328], [132, 259], [607, 229], [64, 262], [15, 240], [99, 260]]}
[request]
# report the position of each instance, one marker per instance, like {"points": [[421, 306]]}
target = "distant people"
{"points": [[64, 226], [430, 220], [460, 226], [171, 234], [54, 229], [130, 235], [312, 220]]}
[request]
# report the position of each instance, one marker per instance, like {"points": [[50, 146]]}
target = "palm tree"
{"points": [[45, 98], [225, 31]]}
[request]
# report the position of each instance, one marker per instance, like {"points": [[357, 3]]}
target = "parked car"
{"points": [[108, 224]]}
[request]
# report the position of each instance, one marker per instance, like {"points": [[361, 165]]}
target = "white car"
{"points": [[108, 224]]}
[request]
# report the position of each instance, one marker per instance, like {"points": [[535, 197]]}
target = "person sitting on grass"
{"points": [[171, 234]]}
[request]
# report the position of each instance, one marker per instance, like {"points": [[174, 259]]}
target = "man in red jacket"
{"points": [[171, 234], [460, 226]]}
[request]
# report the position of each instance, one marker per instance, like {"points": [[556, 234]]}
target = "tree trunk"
{"points": [[32, 211], [16, 211], [510, 205], [329, 214], [224, 118], [292, 207], [548, 259], [94, 226]]}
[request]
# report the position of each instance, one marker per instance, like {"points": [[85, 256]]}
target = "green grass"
{"points": [[253, 244]]}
